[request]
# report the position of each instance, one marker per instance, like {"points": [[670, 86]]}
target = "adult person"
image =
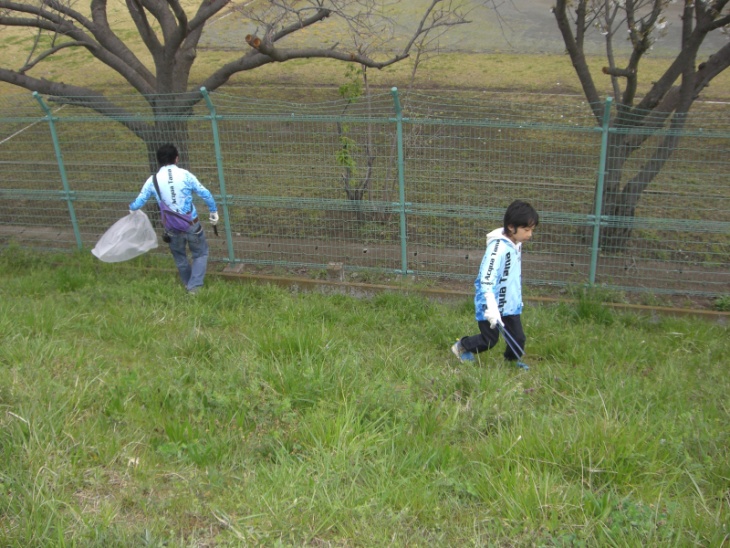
{"points": [[176, 188]]}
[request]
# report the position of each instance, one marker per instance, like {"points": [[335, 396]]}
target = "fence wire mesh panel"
{"points": [[465, 166], [388, 183], [311, 184], [675, 237]]}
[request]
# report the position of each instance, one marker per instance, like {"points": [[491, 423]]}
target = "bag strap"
{"points": [[157, 187]]}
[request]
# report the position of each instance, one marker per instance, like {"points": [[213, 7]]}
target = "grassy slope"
{"points": [[131, 415], [473, 56], [504, 72]]}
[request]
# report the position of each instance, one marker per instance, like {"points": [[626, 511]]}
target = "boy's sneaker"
{"points": [[460, 353], [522, 365]]}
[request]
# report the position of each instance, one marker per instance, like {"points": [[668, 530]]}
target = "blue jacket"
{"points": [[177, 186], [501, 275]]}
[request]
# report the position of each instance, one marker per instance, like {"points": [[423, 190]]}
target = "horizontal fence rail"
{"points": [[388, 183]]}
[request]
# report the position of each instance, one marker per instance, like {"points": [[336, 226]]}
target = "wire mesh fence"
{"points": [[388, 183]]}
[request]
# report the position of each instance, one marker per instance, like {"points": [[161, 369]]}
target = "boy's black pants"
{"points": [[489, 337]]}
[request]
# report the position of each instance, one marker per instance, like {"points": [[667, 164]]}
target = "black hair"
{"points": [[167, 154], [520, 214]]}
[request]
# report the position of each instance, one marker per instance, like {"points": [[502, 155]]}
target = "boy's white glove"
{"points": [[214, 218], [492, 312], [494, 318]]}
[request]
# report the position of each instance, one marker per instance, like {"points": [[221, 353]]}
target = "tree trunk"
{"points": [[619, 204], [171, 115]]}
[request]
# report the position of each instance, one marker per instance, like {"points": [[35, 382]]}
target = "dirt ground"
{"points": [[446, 289], [358, 279]]}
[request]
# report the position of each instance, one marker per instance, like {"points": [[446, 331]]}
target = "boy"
{"points": [[177, 186], [498, 297]]}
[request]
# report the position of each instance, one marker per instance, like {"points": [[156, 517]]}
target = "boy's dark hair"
{"points": [[167, 154], [520, 214]]}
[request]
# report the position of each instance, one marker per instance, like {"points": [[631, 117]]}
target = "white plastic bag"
{"points": [[129, 237]]}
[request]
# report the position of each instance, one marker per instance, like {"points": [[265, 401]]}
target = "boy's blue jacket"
{"points": [[177, 186], [501, 274]]}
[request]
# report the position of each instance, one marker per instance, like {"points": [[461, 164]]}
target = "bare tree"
{"points": [[669, 98], [171, 34], [357, 87]]}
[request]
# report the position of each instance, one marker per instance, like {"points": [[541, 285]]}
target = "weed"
{"points": [[650, 299], [722, 303]]}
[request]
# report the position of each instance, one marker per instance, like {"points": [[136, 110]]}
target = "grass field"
{"points": [[134, 415], [520, 51]]}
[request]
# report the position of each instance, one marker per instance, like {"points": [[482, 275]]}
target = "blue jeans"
{"points": [[191, 274]]}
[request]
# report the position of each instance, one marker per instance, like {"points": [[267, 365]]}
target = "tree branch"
{"points": [[320, 15], [30, 64], [107, 39], [715, 64], [206, 10], [283, 55], [139, 17], [250, 61], [63, 9], [78, 96], [425, 28], [113, 54], [575, 51]]}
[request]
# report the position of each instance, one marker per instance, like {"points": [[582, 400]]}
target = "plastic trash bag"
{"points": [[126, 239]]}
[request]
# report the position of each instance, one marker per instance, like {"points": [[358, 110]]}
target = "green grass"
{"points": [[723, 303], [134, 415]]}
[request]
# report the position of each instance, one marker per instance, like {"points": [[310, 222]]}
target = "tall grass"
{"points": [[132, 414]]}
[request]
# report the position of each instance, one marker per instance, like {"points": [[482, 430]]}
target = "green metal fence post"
{"points": [[221, 178], [401, 181], [597, 217], [61, 168]]}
